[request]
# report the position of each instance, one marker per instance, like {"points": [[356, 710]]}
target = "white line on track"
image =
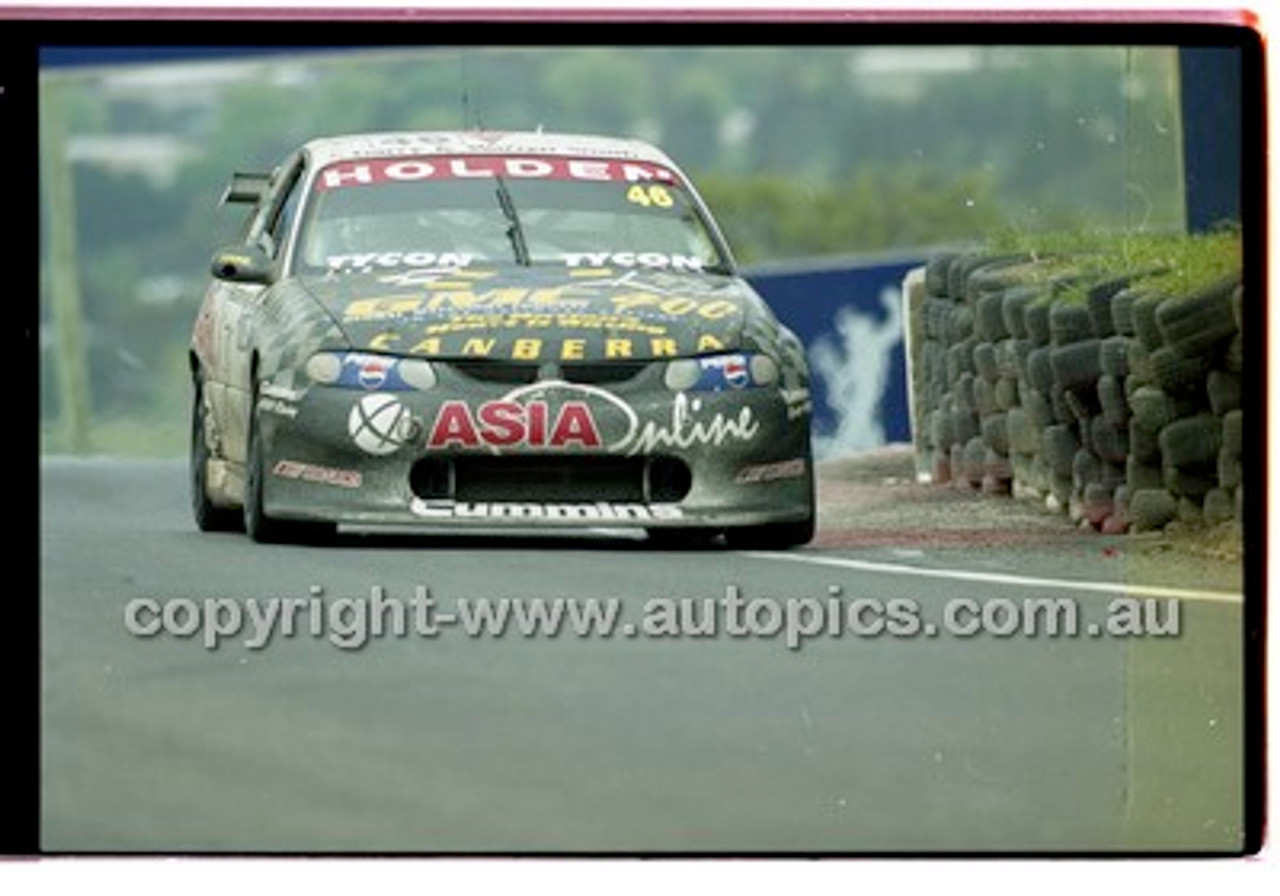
{"points": [[995, 578]]}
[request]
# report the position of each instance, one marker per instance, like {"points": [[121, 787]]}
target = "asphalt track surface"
{"points": [[634, 745]]}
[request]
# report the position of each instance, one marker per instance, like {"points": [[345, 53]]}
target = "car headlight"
{"points": [[718, 372], [364, 370], [682, 374]]}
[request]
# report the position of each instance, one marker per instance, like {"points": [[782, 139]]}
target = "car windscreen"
{"points": [[456, 211]]}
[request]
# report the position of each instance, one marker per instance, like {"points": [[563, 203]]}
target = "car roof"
{"points": [[327, 150]]}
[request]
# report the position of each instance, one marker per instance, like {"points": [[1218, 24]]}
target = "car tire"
{"points": [[1195, 325], [1122, 311], [1143, 316], [1177, 374], [995, 432], [1013, 307], [1153, 409], [1069, 323], [1144, 443], [1113, 356], [777, 536], [1140, 476], [1037, 405], [672, 538], [1191, 441], [1059, 445], [1219, 507], [935, 274], [1230, 471], [1233, 433], [990, 317], [1110, 441], [1115, 406], [985, 363], [1233, 355], [208, 516], [258, 525], [772, 536], [1099, 306], [1152, 509], [1035, 320], [1224, 390], [1040, 369], [1076, 364]]}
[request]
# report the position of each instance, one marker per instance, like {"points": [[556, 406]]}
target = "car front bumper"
{"points": [[551, 453]]}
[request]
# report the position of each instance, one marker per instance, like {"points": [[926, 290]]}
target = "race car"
{"points": [[478, 330]]}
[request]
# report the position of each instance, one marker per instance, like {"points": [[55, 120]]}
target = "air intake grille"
{"points": [[497, 371], [517, 374], [548, 479]]}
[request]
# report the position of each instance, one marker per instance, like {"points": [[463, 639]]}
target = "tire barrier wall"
{"points": [[1122, 410]]}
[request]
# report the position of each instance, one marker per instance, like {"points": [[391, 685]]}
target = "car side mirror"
{"points": [[242, 264]]}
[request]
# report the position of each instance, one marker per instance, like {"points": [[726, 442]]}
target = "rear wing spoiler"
{"points": [[246, 187]]}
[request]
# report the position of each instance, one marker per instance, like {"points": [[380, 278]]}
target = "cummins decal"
{"points": [[595, 512]]}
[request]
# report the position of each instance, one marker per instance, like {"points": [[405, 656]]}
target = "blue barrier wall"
{"points": [[1213, 123], [849, 318]]}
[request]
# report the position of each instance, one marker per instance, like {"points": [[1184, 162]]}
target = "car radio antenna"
{"points": [[466, 98]]}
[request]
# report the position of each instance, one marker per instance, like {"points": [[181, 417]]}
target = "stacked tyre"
{"points": [[1114, 403], [1190, 400], [968, 371]]}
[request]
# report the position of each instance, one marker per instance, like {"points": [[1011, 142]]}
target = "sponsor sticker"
{"points": [[655, 260], [279, 407], [443, 263], [551, 415], [361, 370], [379, 424], [372, 371], [454, 340], [735, 372], [689, 426], [289, 469], [594, 512], [505, 424], [581, 297], [279, 400], [469, 167], [798, 402], [784, 469], [723, 371], [562, 416]]}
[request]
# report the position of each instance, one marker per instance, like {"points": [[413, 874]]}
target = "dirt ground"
{"points": [[877, 495]]}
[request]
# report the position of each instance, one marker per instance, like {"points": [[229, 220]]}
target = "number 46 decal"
{"points": [[650, 194]]}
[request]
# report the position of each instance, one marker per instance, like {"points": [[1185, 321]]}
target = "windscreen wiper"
{"points": [[515, 232]]}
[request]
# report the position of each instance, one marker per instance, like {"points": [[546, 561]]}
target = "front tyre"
{"points": [[771, 536], [208, 516], [778, 536], [258, 525], [676, 539]]}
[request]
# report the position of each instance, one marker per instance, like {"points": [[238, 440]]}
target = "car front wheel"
{"points": [[208, 516], [771, 536], [778, 536], [258, 525]]}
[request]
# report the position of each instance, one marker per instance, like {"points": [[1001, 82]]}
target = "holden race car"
{"points": [[491, 330]]}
